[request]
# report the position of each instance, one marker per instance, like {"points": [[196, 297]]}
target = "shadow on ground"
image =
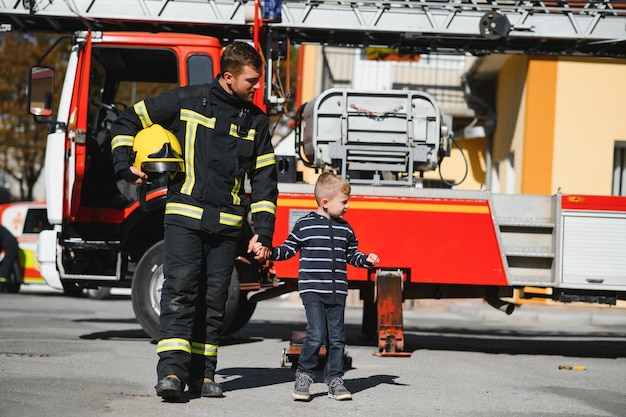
{"points": [[496, 341]]}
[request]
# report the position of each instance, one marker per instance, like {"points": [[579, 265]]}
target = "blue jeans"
{"points": [[324, 325]]}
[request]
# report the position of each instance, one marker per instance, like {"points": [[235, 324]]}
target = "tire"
{"points": [[146, 292], [232, 303], [99, 293], [244, 309], [146, 289], [243, 313], [72, 290]]}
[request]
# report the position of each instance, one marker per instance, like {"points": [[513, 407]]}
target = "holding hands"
{"points": [[261, 253]]}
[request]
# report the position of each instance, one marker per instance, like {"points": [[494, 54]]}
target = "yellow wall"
{"points": [[510, 99], [590, 117], [560, 117], [509, 132], [536, 172], [453, 168], [309, 71]]}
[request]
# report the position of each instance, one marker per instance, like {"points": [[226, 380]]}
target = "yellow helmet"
{"points": [[157, 150]]}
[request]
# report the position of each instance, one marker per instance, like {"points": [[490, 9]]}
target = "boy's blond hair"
{"points": [[328, 184]]}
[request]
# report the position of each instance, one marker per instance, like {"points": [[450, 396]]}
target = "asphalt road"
{"points": [[65, 357]]}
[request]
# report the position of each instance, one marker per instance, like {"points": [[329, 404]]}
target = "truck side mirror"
{"points": [[40, 91]]}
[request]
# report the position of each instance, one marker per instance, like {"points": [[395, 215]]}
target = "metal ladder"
{"points": [[584, 28], [528, 230]]}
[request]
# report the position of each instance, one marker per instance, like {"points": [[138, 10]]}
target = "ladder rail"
{"points": [[593, 27]]}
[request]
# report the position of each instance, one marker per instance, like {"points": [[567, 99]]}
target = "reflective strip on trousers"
{"points": [[203, 349], [167, 345]]}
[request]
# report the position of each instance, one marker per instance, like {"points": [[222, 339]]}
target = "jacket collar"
{"points": [[225, 96]]}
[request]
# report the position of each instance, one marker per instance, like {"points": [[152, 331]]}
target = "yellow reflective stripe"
{"points": [[263, 205], [235, 191], [190, 172], [233, 132], [122, 140], [166, 345], [193, 120], [191, 116], [198, 348], [265, 160], [142, 113], [231, 219], [184, 210]]}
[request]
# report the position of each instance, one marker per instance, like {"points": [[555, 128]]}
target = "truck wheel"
{"points": [[99, 293], [146, 292], [146, 289], [71, 290], [243, 313]]}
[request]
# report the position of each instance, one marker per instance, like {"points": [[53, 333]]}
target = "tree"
{"points": [[22, 140]]}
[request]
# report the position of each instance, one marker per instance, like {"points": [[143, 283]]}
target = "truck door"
{"points": [[77, 133]]}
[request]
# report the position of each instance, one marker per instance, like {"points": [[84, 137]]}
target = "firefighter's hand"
{"points": [[261, 253], [141, 175], [373, 258], [133, 175], [256, 248]]}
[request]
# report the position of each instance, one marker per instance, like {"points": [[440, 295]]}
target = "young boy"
{"points": [[326, 243]]}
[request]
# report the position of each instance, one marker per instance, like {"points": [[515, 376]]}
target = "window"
{"points": [[619, 168], [200, 69], [36, 221]]}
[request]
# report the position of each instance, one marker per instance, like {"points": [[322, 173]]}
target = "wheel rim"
{"points": [[156, 287]]}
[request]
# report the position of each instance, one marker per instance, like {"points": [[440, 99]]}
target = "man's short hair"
{"points": [[328, 184], [237, 55]]}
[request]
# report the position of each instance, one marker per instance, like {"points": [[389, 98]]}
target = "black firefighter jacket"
{"points": [[210, 194]]}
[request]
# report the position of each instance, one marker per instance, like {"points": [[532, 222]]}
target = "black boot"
{"points": [[211, 388], [169, 387]]}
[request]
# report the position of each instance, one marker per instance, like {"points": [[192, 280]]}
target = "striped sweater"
{"points": [[326, 246]]}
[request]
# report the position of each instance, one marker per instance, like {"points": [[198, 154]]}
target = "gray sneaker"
{"points": [[301, 389], [337, 391]]}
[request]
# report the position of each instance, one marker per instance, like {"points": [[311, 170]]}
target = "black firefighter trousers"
{"points": [[197, 269]]}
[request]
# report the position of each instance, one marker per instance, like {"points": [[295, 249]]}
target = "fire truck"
{"points": [[433, 243]]}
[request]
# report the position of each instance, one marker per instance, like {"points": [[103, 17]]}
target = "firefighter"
{"points": [[223, 137], [9, 245]]}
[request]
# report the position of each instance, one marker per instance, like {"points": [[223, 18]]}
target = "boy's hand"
{"points": [[253, 242], [262, 253], [373, 258]]}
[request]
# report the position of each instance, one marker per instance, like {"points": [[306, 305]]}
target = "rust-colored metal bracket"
{"points": [[390, 325]]}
